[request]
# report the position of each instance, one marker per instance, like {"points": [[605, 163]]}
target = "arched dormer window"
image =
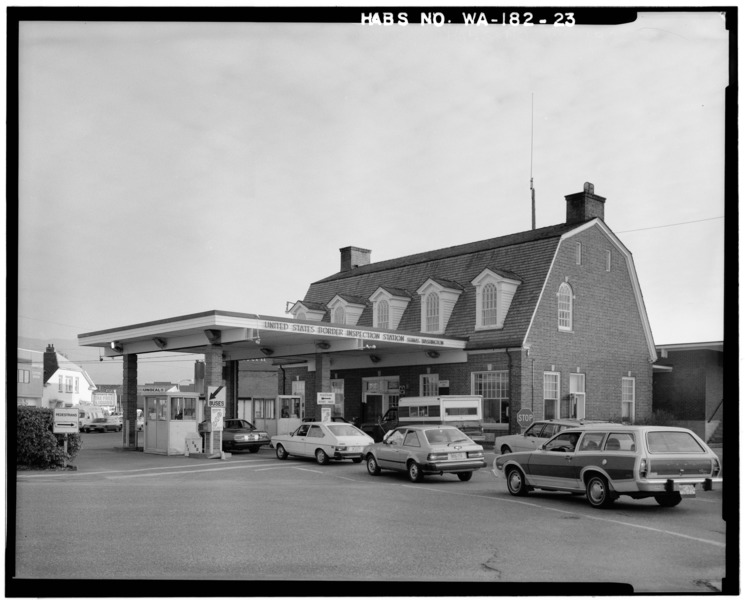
{"points": [[383, 319], [433, 312], [489, 305], [339, 315], [564, 303]]}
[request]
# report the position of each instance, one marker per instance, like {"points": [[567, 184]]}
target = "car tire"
{"points": [[372, 465], [599, 494], [516, 482], [357, 460], [254, 449], [321, 457], [281, 452], [669, 500], [414, 471], [506, 449], [465, 476]]}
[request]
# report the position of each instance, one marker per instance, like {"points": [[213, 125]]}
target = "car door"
{"points": [[555, 465], [315, 439], [389, 452], [531, 439], [295, 444]]}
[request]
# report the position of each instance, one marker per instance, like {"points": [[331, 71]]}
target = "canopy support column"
{"points": [[129, 398]]}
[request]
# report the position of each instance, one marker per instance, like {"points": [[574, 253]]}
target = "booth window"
{"points": [[264, 408], [183, 409], [161, 408]]}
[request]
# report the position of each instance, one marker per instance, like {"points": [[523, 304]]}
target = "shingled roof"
{"points": [[525, 256]]}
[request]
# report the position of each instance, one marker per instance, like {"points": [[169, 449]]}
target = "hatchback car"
{"points": [[102, 425], [239, 434], [603, 463], [425, 450], [535, 435], [323, 441]]}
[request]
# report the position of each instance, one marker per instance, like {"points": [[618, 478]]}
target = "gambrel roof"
{"points": [[526, 256]]}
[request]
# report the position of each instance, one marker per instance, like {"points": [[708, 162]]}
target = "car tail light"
{"points": [[717, 468], [643, 468], [437, 456], [476, 454]]}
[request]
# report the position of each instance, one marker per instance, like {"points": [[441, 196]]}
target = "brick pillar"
{"points": [[231, 389], [129, 397], [322, 382], [213, 376]]}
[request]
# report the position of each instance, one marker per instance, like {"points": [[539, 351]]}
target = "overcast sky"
{"points": [[173, 168]]}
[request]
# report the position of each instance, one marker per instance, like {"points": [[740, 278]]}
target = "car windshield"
{"points": [[99, 420], [445, 436], [672, 441], [344, 429]]}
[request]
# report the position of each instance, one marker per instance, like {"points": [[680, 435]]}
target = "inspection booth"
{"points": [[169, 418]]}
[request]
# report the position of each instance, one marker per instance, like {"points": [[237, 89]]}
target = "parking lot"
{"points": [[136, 515]]}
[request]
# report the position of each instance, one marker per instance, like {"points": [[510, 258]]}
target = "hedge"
{"points": [[37, 446]]}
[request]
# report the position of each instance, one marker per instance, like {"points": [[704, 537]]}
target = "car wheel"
{"points": [[669, 500], [357, 460], [465, 476], [516, 482], [506, 450], [254, 449], [372, 465], [281, 452], [415, 473], [321, 457], [598, 492]]}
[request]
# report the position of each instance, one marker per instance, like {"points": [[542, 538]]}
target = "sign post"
{"points": [[216, 405]]}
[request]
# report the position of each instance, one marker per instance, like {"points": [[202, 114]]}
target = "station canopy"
{"points": [[250, 336]]}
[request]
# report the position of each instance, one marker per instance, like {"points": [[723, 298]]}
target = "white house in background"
{"points": [[65, 383]]}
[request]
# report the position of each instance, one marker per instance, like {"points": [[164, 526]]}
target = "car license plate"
{"points": [[355, 448], [687, 490], [457, 456]]}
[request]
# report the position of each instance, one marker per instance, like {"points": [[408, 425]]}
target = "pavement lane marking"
{"points": [[78, 473], [568, 512]]}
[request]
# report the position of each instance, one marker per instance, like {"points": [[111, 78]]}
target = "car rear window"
{"points": [[344, 429], [672, 441]]}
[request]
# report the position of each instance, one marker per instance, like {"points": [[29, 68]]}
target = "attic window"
{"points": [[346, 310], [565, 307], [382, 314], [494, 293], [338, 315], [438, 301], [389, 305]]}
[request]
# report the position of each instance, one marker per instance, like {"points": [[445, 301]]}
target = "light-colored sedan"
{"points": [[424, 450], [323, 441], [536, 435]]}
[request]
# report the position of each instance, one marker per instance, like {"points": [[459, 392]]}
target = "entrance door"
{"points": [[377, 405], [156, 424]]}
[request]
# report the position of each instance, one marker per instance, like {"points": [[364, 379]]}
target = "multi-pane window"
{"points": [[383, 310], [68, 384], [61, 384], [607, 260], [573, 406], [429, 385], [263, 408], [339, 315], [550, 395], [565, 307], [579, 253], [628, 398], [494, 386], [489, 305], [24, 376], [77, 385], [433, 312]]}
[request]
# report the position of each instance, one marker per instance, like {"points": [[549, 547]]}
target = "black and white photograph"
{"points": [[367, 301]]}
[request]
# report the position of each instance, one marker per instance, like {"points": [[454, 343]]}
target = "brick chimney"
{"points": [[50, 362], [585, 205], [352, 257]]}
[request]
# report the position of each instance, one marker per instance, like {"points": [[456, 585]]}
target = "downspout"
{"points": [[284, 379]]}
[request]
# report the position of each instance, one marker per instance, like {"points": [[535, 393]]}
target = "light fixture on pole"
{"points": [[117, 347]]}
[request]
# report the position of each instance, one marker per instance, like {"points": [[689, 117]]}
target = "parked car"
{"points": [[535, 435], [103, 424], [239, 434], [323, 441], [333, 419], [603, 463], [426, 450]]}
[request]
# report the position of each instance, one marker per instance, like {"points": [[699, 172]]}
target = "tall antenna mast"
{"points": [[532, 189]]}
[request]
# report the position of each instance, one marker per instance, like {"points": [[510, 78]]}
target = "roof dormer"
{"points": [[438, 300], [346, 310], [494, 292], [308, 311], [389, 305]]}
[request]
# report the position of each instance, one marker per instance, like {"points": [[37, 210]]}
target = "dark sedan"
{"points": [[239, 434]]}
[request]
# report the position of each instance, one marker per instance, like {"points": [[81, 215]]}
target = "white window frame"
{"points": [[494, 386], [492, 306], [432, 313], [565, 307], [429, 384], [338, 316], [551, 393], [383, 311], [489, 306], [576, 400], [628, 399]]}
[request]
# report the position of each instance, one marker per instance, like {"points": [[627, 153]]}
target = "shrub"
{"points": [[36, 446], [658, 417]]}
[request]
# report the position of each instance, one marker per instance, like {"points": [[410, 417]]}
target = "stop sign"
{"points": [[525, 418]]}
